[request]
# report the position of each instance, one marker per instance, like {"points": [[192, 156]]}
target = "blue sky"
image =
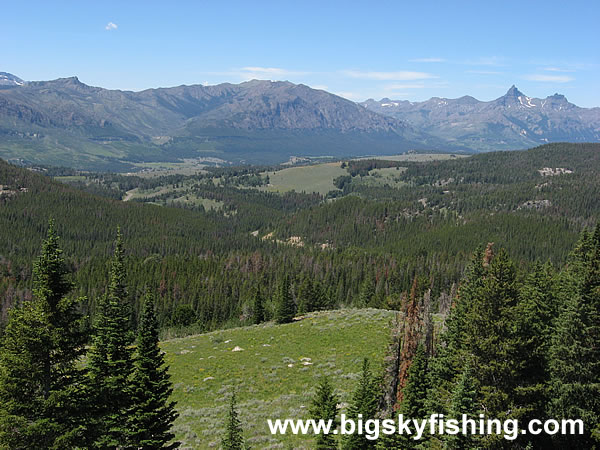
{"points": [[360, 50]]}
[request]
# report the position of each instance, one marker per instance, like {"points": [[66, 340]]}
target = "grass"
{"points": [[389, 176], [314, 178], [269, 375], [176, 195]]}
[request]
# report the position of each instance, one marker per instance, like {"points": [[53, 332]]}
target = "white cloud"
{"points": [[402, 75], [319, 86], [549, 78], [557, 69], [111, 26], [427, 60]]}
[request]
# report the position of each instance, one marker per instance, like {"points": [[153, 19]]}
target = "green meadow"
{"points": [[314, 178], [274, 374]]}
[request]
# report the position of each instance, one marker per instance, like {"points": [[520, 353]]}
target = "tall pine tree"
{"points": [[284, 312], [574, 352], [40, 398], [234, 438], [324, 407], [110, 360], [364, 402], [152, 414], [463, 402], [258, 307]]}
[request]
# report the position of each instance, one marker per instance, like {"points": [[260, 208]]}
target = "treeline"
{"points": [[56, 392]]}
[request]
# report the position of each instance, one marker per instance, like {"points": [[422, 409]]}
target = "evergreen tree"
{"points": [[367, 292], [324, 406], [449, 359], [574, 352], [306, 296], [40, 399], [486, 326], [464, 400], [414, 399], [284, 304], [234, 439], [415, 392], [323, 299], [152, 415], [364, 402], [533, 319], [258, 307], [110, 360]]}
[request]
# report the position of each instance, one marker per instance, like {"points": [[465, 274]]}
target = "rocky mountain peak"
{"points": [[513, 92], [8, 79]]}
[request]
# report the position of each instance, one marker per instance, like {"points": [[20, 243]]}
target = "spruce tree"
{"points": [[234, 439], [486, 327], [40, 400], [533, 324], [574, 352], [152, 414], [414, 401], [415, 392], [306, 296], [110, 360], [464, 400], [322, 299], [258, 307], [324, 407], [364, 402], [284, 304], [367, 292]]}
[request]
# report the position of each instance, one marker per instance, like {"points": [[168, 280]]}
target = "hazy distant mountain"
{"points": [[68, 122], [510, 122]]}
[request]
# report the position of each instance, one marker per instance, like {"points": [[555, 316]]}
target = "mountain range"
{"points": [[66, 122], [513, 121]]}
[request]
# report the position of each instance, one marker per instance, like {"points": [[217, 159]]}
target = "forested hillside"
{"points": [[389, 222]]}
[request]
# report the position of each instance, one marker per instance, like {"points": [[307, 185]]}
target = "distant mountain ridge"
{"points": [[255, 121], [66, 122], [513, 121]]}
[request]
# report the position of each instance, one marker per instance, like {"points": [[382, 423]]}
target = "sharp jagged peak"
{"points": [[513, 92]]}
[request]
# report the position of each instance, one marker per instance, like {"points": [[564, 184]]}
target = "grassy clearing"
{"points": [[315, 178], [271, 375], [389, 176]]}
